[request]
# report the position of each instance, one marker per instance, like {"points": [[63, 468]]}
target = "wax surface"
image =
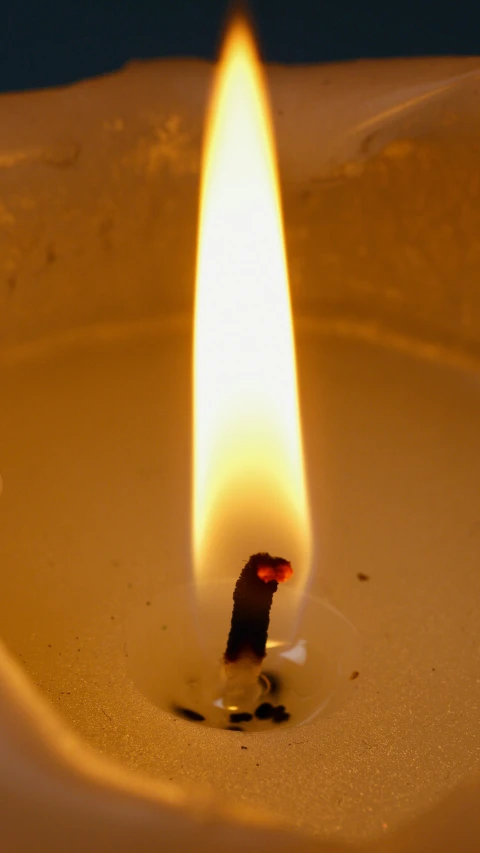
{"points": [[94, 525]]}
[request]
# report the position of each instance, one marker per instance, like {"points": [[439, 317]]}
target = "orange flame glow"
{"points": [[249, 491]]}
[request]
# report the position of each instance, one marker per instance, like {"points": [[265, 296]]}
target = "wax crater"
{"points": [[392, 438], [179, 669]]}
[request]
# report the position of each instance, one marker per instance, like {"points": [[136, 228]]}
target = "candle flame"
{"points": [[249, 490]]}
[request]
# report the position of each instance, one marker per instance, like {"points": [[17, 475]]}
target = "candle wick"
{"points": [[247, 639]]}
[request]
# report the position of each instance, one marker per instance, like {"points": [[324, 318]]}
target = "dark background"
{"points": [[48, 42]]}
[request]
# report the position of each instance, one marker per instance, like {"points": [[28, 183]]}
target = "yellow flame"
{"points": [[249, 491]]}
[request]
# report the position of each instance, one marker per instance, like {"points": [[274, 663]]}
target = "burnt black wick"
{"points": [[252, 601], [247, 647]]}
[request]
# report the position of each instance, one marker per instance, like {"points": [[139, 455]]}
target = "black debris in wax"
{"points": [[275, 713], [188, 714], [280, 715], [264, 711], [241, 717], [252, 600]]}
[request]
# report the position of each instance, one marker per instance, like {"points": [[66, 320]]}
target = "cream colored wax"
{"points": [[98, 194], [95, 532]]}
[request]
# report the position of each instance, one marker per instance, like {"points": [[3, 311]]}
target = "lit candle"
{"points": [[98, 207]]}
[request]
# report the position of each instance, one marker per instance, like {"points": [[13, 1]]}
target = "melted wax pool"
{"points": [[175, 660]]}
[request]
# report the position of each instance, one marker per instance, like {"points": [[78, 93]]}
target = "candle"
{"points": [[98, 207]]}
